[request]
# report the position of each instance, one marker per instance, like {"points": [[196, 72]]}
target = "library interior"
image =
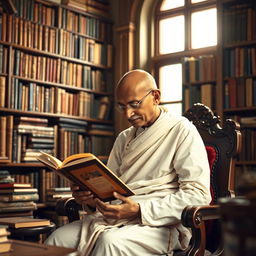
{"points": [[63, 64]]}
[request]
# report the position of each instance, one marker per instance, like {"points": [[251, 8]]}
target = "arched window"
{"points": [[183, 28]]}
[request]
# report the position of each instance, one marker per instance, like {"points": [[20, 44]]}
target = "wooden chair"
{"points": [[222, 145]]}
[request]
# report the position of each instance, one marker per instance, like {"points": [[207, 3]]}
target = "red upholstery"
{"points": [[212, 158]]}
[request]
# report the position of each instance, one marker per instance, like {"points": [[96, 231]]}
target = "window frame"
{"points": [[160, 60]]}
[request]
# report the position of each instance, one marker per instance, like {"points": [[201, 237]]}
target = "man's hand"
{"points": [[82, 197], [128, 209]]}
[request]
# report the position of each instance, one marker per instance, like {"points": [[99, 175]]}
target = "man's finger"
{"points": [[120, 197]]}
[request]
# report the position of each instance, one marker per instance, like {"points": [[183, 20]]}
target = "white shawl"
{"points": [[149, 164]]}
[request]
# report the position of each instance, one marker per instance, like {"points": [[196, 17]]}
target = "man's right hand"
{"points": [[82, 197]]}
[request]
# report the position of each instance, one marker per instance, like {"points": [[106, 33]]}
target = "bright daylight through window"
{"points": [[204, 28], [172, 35]]}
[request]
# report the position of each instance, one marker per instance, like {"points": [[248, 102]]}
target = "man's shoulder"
{"points": [[181, 123], [126, 132], [178, 120]]}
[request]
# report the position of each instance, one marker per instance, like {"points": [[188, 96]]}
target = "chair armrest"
{"points": [[68, 207], [194, 217]]}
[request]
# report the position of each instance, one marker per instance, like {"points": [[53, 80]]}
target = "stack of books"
{"points": [[30, 136], [17, 199], [54, 194], [5, 246], [5, 177], [72, 137], [26, 228], [17, 247]]}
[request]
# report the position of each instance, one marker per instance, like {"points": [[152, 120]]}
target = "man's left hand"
{"points": [[128, 209]]}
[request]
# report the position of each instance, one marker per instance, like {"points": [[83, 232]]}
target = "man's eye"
{"points": [[134, 105]]}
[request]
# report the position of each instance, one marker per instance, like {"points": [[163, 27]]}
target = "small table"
{"points": [[31, 233]]}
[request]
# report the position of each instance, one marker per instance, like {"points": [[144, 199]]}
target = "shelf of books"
{"points": [[239, 75], [199, 81], [55, 88]]}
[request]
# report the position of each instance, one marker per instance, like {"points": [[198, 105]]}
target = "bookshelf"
{"points": [[55, 87], [239, 74], [199, 81], [224, 76]]}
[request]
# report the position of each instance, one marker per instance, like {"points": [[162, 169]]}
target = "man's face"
{"points": [[138, 106]]}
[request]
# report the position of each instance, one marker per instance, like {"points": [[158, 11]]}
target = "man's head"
{"points": [[138, 98]]}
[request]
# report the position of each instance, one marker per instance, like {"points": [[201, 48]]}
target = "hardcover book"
{"points": [[19, 197], [15, 185], [16, 191], [23, 222], [5, 247], [89, 173]]}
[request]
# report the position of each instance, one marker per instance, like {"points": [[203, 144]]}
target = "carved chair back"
{"points": [[222, 145]]}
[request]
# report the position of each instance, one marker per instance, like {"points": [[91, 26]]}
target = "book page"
{"points": [[76, 157], [49, 160]]}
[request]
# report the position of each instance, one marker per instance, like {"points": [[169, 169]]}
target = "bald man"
{"points": [[163, 159]]}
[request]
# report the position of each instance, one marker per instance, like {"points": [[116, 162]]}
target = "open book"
{"points": [[89, 173]]}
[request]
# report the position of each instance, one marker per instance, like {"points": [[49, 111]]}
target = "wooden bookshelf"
{"points": [[231, 89], [55, 86], [199, 80], [239, 74]]}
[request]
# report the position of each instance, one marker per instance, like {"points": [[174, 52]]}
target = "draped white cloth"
{"points": [[166, 165]]}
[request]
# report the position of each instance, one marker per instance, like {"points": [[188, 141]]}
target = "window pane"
{"points": [[171, 37], [170, 4], [175, 109], [204, 28], [170, 82], [197, 1]]}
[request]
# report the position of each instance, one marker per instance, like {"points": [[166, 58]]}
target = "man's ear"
{"points": [[157, 96]]}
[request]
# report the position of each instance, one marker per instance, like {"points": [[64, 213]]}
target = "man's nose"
{"points": [[128, 112]]}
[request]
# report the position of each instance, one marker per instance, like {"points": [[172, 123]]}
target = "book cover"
{"points": [[3, 230], [16, 204], [240, 87], [23, 213], [254, 93], [18, 190], [3, 125], [226, 95], [5, 247], [249, 92], [21, 197], [89, 173], [13, 209], [4, 238], [207, 95], [15, 185], [2, 91], [232, 91]]}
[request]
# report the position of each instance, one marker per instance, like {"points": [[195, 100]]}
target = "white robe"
{"points": [[166, 165]]}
